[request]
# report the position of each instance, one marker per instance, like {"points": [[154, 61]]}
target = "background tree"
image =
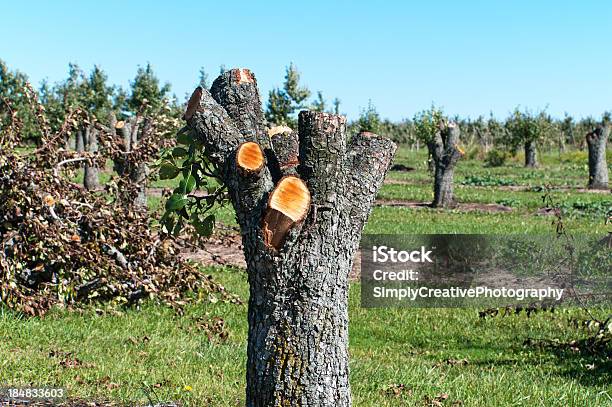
{"points": [[445, 152], [442, 139], [319, 104], [12, 86], [566, 134], [98, 102], [147, 99], [369, 120], [597, 141], [92, 95], [284, 103], [203, 79], [427, 124], [146, 88], [336, 104], [527, 129]]}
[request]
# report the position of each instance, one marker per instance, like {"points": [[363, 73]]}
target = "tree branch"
{"points": [[369, 157], [322, 152], [211, 124], [236, 91], [286, 145]]}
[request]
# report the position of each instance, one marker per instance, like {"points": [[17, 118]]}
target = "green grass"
{"points": [[387, 347], [568, 170], [388, 220]]}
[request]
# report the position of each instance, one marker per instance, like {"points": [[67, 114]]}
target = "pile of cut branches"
{"points": [[63, 245]]}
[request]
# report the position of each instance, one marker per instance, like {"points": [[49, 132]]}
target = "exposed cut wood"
{"points": [[291, 197], [249, 157], [119, 124], [279, 130], [243, 75], [236, 91], [288, 206], [194, 102]]}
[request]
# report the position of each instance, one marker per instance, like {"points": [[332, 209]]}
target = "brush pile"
{"points": [[63, 245]]}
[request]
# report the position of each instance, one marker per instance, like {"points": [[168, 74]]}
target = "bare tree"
{"points": [[598, 168], [301, 215], [445, 154]]}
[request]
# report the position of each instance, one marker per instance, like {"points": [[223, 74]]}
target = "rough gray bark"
{"points": [[90, 176], [597, 141], [530, 154], [285, 144], [445, 155], [298, 319], [131, 131]]}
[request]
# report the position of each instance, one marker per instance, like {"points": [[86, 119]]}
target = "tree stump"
{"points": [[598, 168], [530, 154], [445, 154], [301, 200]]}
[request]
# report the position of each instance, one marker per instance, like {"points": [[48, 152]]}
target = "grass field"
{"points": [[399, 357]]}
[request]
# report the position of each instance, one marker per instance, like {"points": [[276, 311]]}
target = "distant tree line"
{"points": [[523, 129]]}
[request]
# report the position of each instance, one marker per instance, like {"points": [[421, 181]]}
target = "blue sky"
{"points": [[470, 57]]}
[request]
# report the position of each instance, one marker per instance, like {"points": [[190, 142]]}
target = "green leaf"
{"points": [[205, 227], [168, 221], [184, 138], [179, 152], [168, 170], [176, 202], [190, 184]]}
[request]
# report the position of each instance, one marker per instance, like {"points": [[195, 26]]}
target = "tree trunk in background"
{"points": [[90, 176], [431, 165], [299, 237], [598, 168], [530, 154], [138, 176], [445, 156], [131, 131], [79, 142]]}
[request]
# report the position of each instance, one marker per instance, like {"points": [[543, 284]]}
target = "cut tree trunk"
{"points": [[90, 176], [299, 233], [597, 141], [445, 153], [530, 154]]}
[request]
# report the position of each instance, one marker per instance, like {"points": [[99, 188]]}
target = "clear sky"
{"points": [[470, 57]]}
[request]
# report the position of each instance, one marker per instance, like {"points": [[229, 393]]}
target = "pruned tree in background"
{"points": [[369, 119], [527, 129], [301, 200], [442, 139], [99, 103], [427, 124], [147, 99], [446, 152], [597, 140]]}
